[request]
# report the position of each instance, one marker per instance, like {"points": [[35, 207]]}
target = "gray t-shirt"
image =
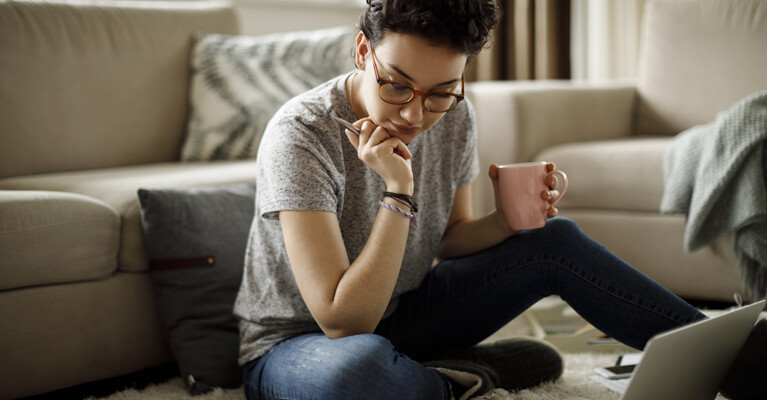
{"points": [[305, 162]]}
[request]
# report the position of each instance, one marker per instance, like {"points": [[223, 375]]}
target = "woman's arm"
{"points": [[350, 298], [464, 235], [345, 299]]}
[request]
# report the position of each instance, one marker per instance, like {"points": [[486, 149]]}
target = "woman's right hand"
{"points": [[387, 155]]}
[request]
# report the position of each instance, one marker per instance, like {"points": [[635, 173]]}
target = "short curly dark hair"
{"points": [[461, 25]]}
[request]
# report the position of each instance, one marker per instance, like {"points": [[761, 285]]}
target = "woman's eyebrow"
{"points": [[406, 76]]}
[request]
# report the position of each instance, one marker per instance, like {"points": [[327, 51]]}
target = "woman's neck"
{"points": [[353, 86]]}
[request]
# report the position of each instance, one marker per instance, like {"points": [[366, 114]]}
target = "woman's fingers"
{"points": [[552, 194], [366, 129], [353, 138], [387, 155], [400, 148], [549, 195], [371, 136], [493, 172], [550, 167], [358, 139], [551, 180], [552, 212]]}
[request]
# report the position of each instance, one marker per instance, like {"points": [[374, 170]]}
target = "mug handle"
{"points": [[564, 185]]}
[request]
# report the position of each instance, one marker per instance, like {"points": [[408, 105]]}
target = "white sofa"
{"points": [[698, 58], [96, 98], [94, 106]]}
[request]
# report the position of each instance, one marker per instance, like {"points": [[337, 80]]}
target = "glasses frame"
{"points": [[424, 95]]}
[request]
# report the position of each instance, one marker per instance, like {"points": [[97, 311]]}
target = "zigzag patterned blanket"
{"points": [[715, 174]]}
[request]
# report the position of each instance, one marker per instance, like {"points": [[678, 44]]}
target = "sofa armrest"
{"points": [[518, 119], [524, 118]]}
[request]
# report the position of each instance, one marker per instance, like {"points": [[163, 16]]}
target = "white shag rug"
{"points": [[575, 381]]}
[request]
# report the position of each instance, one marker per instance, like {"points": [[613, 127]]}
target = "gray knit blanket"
{"points": [[715, 174]]}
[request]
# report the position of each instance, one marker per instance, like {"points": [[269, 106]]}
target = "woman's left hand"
{"points": [[552, 182]]}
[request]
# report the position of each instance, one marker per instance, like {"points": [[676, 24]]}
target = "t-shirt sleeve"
{"points": [[468, 167], [294, 169]]}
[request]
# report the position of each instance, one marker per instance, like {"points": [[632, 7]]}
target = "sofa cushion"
{"points": [[698, 57], [117, 187], [618, 174], [195, 241], [239, 82], [97, 84], [55, 237]]}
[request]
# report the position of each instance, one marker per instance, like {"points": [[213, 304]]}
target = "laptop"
{"points": [[691, 362]]}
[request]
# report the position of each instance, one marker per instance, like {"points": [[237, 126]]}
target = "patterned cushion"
{"points": [[239, 82]]}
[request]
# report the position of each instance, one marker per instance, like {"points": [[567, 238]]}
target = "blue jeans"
{"points": [[461, 302]]}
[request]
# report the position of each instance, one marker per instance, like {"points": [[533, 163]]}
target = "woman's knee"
{"points": [[328, 368], [360, 366], [555, 231], [371, 364], [363, 351], [563, 226]]}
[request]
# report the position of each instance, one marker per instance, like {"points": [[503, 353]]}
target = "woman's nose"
{"points": [[412, 112]]}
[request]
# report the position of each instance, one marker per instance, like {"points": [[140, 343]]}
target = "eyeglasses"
{"points": [[399, 93]]}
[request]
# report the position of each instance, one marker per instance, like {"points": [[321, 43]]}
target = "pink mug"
{"points": [[523, 188]]}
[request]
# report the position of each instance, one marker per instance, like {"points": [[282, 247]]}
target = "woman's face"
{"points": [[412, 61]]}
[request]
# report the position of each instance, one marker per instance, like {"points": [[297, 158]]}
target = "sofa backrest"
{"points": [[698, 57], [93, 83]]}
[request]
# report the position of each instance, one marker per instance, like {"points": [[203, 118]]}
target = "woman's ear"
{"points": [[361, 48]]}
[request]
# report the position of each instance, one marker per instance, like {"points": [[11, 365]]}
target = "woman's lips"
{"points": [[405, 130]]}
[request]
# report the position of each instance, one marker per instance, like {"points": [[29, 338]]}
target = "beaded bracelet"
{"points": [[413, 223]]}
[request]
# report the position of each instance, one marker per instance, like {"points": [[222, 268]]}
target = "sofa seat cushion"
{"points": [[118, 188], [616, 174], [53, 237]]}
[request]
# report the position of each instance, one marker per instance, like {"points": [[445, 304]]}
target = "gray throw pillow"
{"points": [[195, 241], [238, 83]]}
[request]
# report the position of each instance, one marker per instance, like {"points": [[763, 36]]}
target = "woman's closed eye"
{"points": [[399, 88], [441, 96]]}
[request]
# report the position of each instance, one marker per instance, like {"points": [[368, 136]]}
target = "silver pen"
{"points": [[346, 124]]}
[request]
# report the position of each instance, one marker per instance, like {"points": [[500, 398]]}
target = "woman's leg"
{"points": [[312, 366], [462, 301]]}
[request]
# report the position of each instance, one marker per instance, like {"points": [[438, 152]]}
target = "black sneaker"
{"points": [[466, 378], [511, 364], [747, 378]]}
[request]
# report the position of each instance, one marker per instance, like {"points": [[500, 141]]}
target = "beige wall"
{"points": [[258, 17]]}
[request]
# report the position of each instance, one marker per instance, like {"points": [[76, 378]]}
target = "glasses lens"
{"points": [[439, 102], [395, 93]]}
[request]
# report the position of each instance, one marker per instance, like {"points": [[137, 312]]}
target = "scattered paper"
{"points": [[616, 385]]}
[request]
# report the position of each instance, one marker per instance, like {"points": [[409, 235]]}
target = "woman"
{"points": [[339, 296]]}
